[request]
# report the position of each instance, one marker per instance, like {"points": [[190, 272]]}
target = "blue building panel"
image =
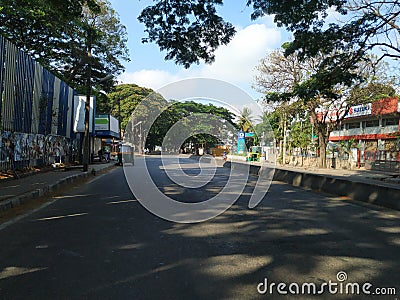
{"points": [[19, 91], [2, 53], [63, 109], [46, 102], [28, 95]]}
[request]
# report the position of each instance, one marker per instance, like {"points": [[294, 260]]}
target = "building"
{"points": [[376, 128]]}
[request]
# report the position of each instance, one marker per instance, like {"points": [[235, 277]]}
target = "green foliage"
{"points": [[126, 97], [371, 92], [245, 122], [189, 30], [300, 134], [346, 146], [208, 115], [271, 121], [123, 100], [58, 34]]}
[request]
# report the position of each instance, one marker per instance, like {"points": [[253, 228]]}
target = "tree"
{"points": [[345, 148], [191, 30], [58, 34], [123, 100], [245, 122], [209, 119], [295, 85]]}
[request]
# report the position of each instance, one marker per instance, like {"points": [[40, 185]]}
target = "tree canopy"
{"points": [[58, 34], [124, 100], [191, 30]]}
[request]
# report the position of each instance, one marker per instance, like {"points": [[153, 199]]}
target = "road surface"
{"points": [[97, 242]]}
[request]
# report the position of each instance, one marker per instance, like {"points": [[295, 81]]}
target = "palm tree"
{"points": [[245, 119]]}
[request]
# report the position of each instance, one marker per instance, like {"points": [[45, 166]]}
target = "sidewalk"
{"points": [[14, 192]]}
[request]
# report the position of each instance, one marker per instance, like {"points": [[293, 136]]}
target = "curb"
{"points": [[26, 197]]}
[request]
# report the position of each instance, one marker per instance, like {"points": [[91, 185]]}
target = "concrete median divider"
{"points": [[377, 193], [374, 193]]}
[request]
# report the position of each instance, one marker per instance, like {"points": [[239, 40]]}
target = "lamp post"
{"points": [[140, 134], [86, 138]]}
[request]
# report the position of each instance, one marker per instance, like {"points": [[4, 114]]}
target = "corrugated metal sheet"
{"points": [[37, 94], [46, 102], [69, 112], [56, 106], [36, 111], [63, 109], [24, 91], [2, 53], [9, 87]]}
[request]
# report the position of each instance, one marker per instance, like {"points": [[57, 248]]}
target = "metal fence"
{"points": [[36, 111]]}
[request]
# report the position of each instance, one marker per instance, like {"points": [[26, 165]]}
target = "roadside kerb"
{"points": [[26, 197]]}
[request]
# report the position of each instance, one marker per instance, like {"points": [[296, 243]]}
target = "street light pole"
{"points": [[140, 134], [86, 138]]}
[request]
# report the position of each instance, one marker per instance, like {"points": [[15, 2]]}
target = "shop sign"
{"points": [[359, 110]]}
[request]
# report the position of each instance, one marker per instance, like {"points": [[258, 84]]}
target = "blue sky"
{"points": [[234, 63]]}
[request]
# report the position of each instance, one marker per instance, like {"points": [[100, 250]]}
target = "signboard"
{"points": [[106, 126], [249, 134], [114, 124], [101, 122], [359, 110], [241, 144]]}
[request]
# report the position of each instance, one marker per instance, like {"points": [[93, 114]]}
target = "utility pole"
{"points": [[86, 138]]}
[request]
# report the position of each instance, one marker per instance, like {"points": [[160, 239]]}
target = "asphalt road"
{"points": [[97, 242]]}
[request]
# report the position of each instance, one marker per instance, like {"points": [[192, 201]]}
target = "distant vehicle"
{"points": [[254, 154], [127, 153]]}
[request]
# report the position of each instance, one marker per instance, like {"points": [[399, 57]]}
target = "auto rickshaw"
{"points": [[254, 154]]}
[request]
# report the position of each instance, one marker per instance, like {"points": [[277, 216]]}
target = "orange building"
{"points": [[376, 127]]}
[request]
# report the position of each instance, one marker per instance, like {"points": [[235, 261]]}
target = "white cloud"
{"points": [[149, 78], [234, 62]]}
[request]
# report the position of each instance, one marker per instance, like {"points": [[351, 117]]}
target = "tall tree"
{"points": [[57, 34], [191, 30], [288, 79], [245, 122]]}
